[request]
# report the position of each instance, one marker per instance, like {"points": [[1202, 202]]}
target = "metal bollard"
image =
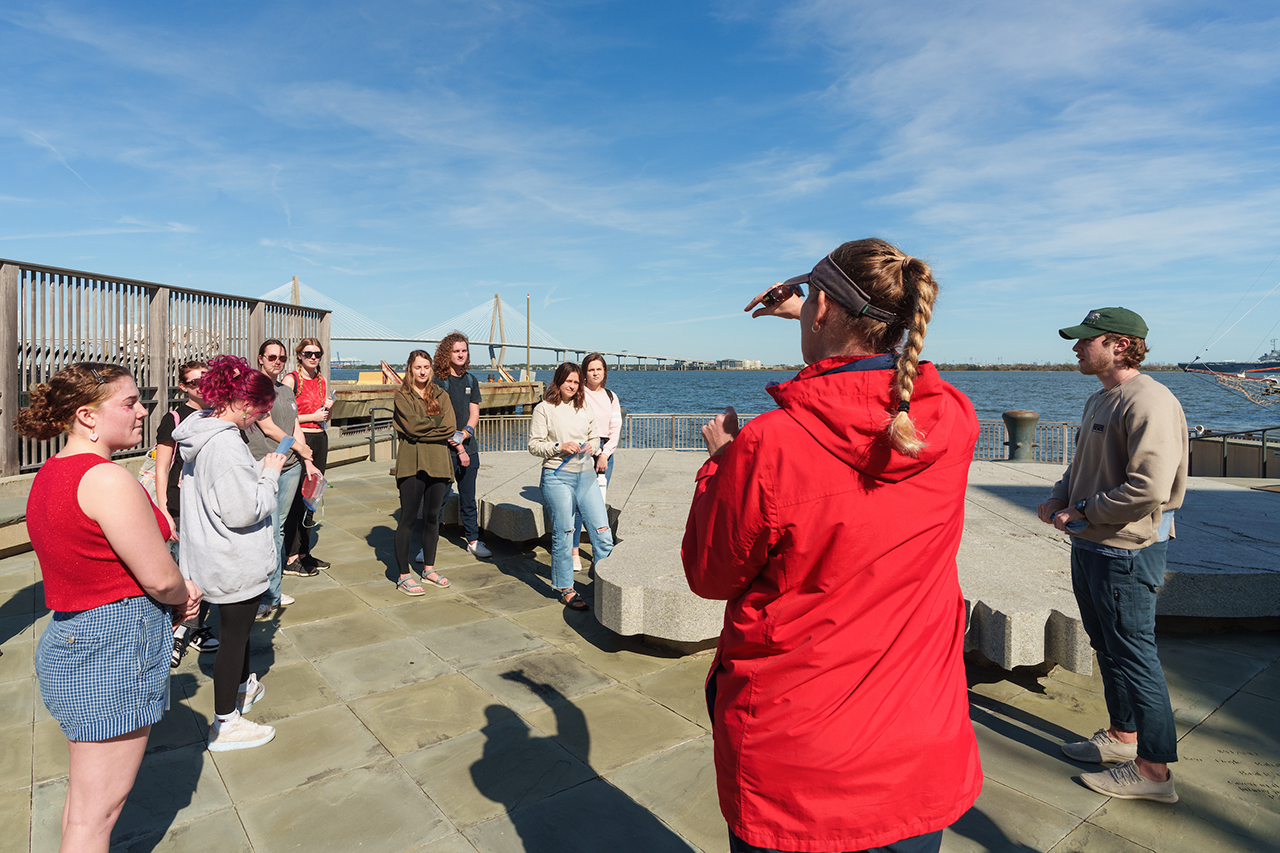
{"points": [[1020, 425]]}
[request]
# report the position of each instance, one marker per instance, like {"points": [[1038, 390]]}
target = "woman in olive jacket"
{"points": [[424, 419]]}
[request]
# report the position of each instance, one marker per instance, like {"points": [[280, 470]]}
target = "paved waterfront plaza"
{"points": [[487, 717]]}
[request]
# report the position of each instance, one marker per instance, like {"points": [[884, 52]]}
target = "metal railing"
{"points": [[1248, 436], [51, 318], [1055, 442]]}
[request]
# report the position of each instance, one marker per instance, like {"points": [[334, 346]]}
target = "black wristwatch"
{"points": [[1080, 505]]}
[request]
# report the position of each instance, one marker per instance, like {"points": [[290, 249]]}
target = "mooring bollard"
{"points": [[1020, 424]]}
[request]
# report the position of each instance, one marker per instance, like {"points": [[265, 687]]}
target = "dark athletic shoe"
{"points": [[299, 569], [181, 639], [314, 562], [203, 641]]}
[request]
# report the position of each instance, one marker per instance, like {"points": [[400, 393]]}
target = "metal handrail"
{"points": [[1200, 434], [373, 432]]}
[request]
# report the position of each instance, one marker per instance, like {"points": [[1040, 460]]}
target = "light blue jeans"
{"points": [[577, 516], [562, 493], [290, 478]]}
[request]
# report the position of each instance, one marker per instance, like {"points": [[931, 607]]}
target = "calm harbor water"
{"points": [[1057, 396]]}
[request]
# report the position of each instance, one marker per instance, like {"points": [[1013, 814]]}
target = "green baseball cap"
{"points": [[1099, 321]]}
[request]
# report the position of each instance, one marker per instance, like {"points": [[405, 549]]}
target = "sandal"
{"points": [[409, 586], [440, 581], [570, 599]]}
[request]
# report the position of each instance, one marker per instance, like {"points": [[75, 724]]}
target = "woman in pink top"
{"points": [[604, 403]]}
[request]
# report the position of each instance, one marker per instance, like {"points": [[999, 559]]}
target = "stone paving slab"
{"points": [[554, 733]]}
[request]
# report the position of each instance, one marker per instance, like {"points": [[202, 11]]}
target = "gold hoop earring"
{"points": [[815, 328]]}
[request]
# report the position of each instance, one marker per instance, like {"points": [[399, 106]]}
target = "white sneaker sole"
{"points": [[224, 746], [243, 707]]}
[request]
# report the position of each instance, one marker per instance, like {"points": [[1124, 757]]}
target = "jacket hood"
{"points": [[195, 432], [847, 411]]}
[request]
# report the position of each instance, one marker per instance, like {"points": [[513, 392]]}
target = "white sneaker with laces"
{"points": [[264, 611], [250, 694], [477, 548], [1126, 783], [235, 732], [1100, 748], [286, 599]]}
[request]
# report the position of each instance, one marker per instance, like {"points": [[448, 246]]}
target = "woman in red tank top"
{"points": [[312, 393], [103, 662]]}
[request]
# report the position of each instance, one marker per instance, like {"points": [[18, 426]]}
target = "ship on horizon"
{"points": [[1269, 362]]}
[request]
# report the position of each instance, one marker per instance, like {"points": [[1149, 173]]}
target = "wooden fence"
{"points": [[51, 317]]}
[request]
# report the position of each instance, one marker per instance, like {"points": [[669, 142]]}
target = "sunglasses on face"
{"points": [[781, 293], [311, 354], [274, 358]]}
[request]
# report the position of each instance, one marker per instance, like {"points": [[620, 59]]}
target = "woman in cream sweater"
{"points": [[563, 432]]}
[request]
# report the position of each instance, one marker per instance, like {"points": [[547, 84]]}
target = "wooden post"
{"points": [[10, 380], [158, 351], [257, 330], [326, 332]]}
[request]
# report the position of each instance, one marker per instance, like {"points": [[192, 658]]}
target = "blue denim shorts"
{"points": [[105, 672]]}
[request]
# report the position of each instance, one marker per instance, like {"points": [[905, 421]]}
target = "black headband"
{"points": [[831, 280]]}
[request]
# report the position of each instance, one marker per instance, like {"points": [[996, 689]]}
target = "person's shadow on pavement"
{"points": [[556, 801]]}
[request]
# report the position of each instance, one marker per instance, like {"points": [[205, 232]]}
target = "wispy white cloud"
{"points": [[125, 226]]}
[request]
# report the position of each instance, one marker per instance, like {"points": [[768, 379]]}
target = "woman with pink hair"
{"points": [[228, 546]]}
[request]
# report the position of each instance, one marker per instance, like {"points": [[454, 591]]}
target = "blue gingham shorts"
{"points": [[105, 672]]}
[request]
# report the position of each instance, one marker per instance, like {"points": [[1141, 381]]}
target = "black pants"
{"points": [[231, 664], [298, 523], [413, 492]]}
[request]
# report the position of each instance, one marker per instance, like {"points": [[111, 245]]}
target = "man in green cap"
{"points": [[1116, 500]]}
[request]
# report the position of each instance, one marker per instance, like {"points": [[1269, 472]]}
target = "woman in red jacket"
{"points": [[830, 527]]}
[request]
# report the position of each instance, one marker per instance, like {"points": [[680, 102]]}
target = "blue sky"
{"points": [[643, 169]]}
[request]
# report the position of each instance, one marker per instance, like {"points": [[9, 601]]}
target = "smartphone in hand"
{"points": [[284, 445]]}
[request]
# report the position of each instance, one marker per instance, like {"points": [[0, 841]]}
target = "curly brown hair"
{"points": [[444, 349], [1134, 354], [53, 404]]}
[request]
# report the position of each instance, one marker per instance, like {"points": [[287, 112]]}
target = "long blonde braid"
{"points": [[904, 285], [918, 279]]}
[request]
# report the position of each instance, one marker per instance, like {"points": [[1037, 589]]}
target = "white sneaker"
{"points": [[419, 558], [286, 599], [236, 732], [249, 696], [477, 548], [264, 611]]}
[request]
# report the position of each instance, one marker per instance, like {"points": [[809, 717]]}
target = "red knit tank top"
{"points": [[310, 394], [79, 567]]}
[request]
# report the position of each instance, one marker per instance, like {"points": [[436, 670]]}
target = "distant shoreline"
{"points": [[796, 368]]}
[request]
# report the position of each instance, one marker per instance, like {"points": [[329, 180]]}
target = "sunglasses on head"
{"points": [[781, 293], [311, 353], [274, 358]]}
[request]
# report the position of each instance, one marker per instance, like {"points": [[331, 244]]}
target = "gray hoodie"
{"points": [[228, 546]]}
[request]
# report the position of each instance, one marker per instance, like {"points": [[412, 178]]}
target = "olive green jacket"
{"points": [[424, 439]]}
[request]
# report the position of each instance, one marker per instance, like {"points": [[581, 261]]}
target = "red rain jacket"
{"points": [[841, 712]]}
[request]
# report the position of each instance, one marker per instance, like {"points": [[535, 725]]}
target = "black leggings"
{"points": [[413, 491], [231, 663], [298, 523]]}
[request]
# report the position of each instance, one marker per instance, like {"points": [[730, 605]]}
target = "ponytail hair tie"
{"points": [[904, 406]]}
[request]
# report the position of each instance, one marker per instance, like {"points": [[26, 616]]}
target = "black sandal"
{"points": [[570, 599]]}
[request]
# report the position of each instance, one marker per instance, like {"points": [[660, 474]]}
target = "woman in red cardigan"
{"points": [[103, 662], [830, 527]]}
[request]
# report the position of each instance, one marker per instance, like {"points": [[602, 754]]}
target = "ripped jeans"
{"points": [[562, 493]]}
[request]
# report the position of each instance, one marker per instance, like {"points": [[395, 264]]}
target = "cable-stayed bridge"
{"points": [[495, 324]]}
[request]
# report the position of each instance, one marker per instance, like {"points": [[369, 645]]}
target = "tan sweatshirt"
{"points": [[1130, 464], [551, 426]]}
